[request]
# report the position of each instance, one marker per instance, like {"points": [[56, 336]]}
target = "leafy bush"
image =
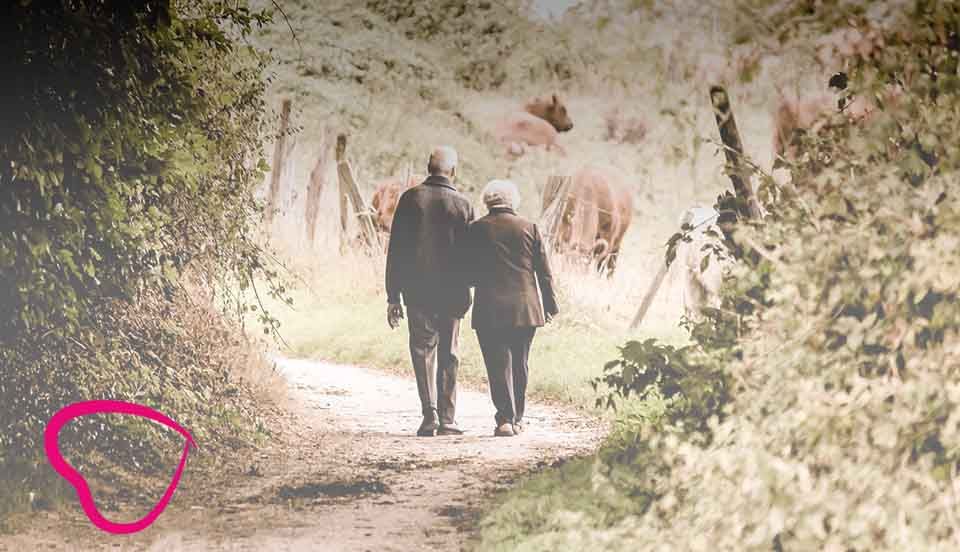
{"points": [[841, 432], [131, 146], [648, 369], [131, 143], [843, 435]]}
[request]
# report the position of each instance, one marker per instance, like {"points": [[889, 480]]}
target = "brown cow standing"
{"points": [[596, 216], [385, 197], [794, 115], [539, 124]]}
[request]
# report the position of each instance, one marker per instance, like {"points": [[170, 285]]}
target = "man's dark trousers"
{"points": [[433, 349], [505, 353]]}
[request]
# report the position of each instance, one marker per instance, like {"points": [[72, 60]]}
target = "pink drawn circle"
{"points": [[52, 447]]}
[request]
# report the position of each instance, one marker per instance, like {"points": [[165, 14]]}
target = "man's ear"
{"points": [[453, 173], [555, 100]]}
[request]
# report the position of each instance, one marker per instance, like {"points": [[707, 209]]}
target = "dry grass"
{"points": [[243, 353]]}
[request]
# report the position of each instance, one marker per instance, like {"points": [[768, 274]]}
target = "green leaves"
{"points": [[650, 370], [114, 160], [845, 370]]}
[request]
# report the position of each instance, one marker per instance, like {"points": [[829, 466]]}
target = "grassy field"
{"points": [[339, 316]]}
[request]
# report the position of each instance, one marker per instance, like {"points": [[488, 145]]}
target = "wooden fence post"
{"points": [[288, 198], [276, 171], [315, 187], [555, 197], [339, 154], [349, 190], [648, 297], [733, 149]]}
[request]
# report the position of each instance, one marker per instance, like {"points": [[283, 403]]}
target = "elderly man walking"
{"points": [[508, 265], [429, 224]]}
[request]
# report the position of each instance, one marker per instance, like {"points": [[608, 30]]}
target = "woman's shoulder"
{"points": [[528, 224]]}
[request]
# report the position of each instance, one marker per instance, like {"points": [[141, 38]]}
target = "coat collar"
{"points": [[439, 180], [499, 210]]}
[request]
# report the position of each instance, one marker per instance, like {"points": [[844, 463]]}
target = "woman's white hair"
{"points": [[501, 193]]}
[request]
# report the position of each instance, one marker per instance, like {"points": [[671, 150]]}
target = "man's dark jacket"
{"points": [[423, 267], [506, 260]]}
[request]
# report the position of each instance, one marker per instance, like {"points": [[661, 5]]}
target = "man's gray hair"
{"points": [[501, 193], [443, 160]]}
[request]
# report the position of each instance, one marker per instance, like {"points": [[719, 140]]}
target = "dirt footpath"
{"points": [[346, 473]]}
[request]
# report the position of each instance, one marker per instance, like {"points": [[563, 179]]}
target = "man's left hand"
{"points": [[394, 315]]}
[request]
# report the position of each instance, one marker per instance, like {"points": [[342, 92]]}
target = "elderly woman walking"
{"points": [[506, 263]]}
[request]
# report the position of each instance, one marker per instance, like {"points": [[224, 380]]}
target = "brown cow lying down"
{"points": [[385, 197], [596, 216], [539, 124]]}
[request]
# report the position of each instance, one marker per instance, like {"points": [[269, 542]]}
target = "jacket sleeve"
{"points": [[399, 250], [468, 257], [541, 264], [466, 251]]}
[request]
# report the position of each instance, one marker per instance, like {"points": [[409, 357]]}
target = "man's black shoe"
{"points": [[429, 426], [449, 429]]}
